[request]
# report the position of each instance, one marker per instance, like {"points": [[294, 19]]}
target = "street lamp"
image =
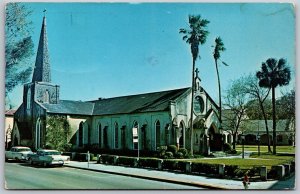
{"points": [[243, 145]]}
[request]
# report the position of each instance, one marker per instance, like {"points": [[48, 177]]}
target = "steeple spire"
{"points": [[42, 71]]}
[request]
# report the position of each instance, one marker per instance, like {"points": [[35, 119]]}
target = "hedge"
{"points": [[203, 168], [126, 161], [107, 159], [148, 162]]}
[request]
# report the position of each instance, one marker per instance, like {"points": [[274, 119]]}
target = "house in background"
{"points": [[142, 121]]}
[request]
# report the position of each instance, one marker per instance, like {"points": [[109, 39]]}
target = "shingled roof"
{"points": [[149, 102], [70, 107]]}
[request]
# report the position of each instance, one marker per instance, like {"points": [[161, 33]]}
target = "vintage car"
{"points": [[48, 158], [19, 153]]}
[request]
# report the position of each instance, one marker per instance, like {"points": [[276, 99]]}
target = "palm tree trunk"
{"points": [[274, 120], [220, 103], [192, 106], [266, 123]]}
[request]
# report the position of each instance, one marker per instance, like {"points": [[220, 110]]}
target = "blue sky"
{"points": [[116, 49]]}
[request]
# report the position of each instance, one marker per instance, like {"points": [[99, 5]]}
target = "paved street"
{"points": [[23, 176]]}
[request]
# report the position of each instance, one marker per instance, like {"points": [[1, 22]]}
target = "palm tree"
{"points": [[219, 47], [195, 35], [274, 73]]}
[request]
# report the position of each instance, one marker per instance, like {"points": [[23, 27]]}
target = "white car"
{"points": [[48, 157], [18, 153]]}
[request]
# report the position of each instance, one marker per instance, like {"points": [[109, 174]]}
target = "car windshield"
{"points": [[24, 150], [52, 153]]}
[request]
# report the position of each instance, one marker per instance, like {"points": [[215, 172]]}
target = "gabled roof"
{"points": [[149, 102], [70, 107]]}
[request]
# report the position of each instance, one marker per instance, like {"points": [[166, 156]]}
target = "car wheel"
{"points": [[45, 164], [6, 159], [30, 161]]}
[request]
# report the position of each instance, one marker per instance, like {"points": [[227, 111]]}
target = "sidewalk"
{"points": [[173, 177]]}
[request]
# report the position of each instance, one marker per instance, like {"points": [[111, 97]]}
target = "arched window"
{"points": [[116, 135], [80, 135], [181, 135], [157, 133], [99, 136], [135, 135], [46, 97], [38, 134], [28, 98]]}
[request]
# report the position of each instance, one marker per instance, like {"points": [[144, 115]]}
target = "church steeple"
{"points": [[42, 71]]}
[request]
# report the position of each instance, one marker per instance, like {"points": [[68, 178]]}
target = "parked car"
{"points": [[19, 153], [48, 157]]}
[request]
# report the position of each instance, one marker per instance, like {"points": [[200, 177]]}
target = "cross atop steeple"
{"points": [[41, 71]]}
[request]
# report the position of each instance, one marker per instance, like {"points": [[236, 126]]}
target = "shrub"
{"points": [[231, 170], [183, 151], [172, 148], [161, 151], [168, 155], [126, 161], [82, 157], [148, 162], [179, 155], [227, 147], [203, 168], [170, 164], [107, 159]]}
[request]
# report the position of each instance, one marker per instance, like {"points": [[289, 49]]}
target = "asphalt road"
{"points": [[24, 176]]}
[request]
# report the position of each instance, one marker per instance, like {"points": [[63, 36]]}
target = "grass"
{"points": [[264, 149]]}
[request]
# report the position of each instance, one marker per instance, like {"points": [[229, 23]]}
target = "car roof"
{"points": [[20, 147], [44, 150]]}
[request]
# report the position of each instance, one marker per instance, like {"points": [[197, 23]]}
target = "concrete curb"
{"points": [[196, 184]]}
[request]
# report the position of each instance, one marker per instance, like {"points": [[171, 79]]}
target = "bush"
{"points": [[168, 155], [107, 159], [183, 151], [203, 168], [148, 162], [161, 151], [170, 164], [231, 170], [179, 155], [172, 148], [82, 157], [126, 161], [227, 147]]}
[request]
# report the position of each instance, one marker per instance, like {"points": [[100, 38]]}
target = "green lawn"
{"points": [[264, 149], [245, 163]]}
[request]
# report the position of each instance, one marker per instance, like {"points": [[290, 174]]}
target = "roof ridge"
{"points": [[139, 94]]}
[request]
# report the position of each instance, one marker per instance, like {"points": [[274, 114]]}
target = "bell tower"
{"points": [[40, 89]]}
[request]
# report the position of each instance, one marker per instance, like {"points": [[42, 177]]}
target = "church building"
{"points": [[141, 121]]}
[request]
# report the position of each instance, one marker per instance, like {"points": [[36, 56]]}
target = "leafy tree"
{"points": [[274, 73], [57, 133], [235, 101], [18, 46], [219, 47], [195, 35], [260, 95], [286, 106]]}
